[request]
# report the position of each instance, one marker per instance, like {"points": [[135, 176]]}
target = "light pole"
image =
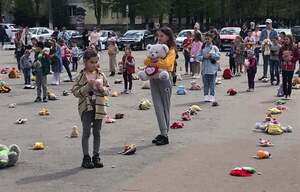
{"points": [[127, 14], [50, 14]]}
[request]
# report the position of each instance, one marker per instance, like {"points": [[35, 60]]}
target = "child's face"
{"points": [[274, 41], [127, 52], [91, 64]]}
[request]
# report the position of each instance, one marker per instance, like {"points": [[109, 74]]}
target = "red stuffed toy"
{"points": [[177, 125], [186, 116], [227, 74], [232, 92]]}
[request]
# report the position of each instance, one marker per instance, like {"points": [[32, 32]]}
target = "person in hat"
{"points": [[250, 65], [268, 33]]}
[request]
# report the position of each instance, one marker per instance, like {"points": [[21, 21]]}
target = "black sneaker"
{"points": [[45, 100], [97, 162], [157, 138], [261, 78], [38, 99], [87, 162], [112, 74], [163, 141]]}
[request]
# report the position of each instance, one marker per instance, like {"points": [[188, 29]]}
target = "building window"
{"points": [[72, 10]]}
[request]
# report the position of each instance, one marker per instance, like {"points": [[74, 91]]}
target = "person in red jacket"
{"points": [[289, 55], [128, 64]]}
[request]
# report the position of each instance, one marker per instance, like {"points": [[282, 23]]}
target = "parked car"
{"points": [[104, 34], [10, 29], [262, 27], [287, 31], [181, 37], [228, 35], [41, 32], [136, 39], [76, 36], [296, 33]]}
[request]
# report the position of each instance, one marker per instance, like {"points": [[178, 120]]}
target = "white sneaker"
{"points": [[212, 98], [206, 98]]}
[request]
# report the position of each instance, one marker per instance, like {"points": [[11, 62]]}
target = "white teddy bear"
{"points": [[155, 52]]}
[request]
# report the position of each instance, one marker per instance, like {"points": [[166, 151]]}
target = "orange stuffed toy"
{"points": [[13, 74]]}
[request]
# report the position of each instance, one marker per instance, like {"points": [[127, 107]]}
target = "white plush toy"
{"points": [[155, 52]]}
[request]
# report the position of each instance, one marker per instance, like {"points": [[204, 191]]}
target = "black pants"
{"points": [[287, 77], [74, 63], [67, 67], [232, 65], [127, 80], [251, 76], [186, 60]]}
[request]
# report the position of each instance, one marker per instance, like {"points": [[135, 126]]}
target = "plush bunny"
{"points": [[155, 52]]}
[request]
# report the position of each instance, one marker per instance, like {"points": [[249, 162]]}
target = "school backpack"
{"points": [[227, 74]]}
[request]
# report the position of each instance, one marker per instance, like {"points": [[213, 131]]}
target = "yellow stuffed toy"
{"points": [[275, 111], [44, 112], [38, 146], [274, 129]]}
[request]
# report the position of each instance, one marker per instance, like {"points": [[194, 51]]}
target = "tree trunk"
{"points": [[98, 10], [37, 13]]}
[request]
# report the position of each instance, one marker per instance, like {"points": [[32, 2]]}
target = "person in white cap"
{"points": [[266, 35]]}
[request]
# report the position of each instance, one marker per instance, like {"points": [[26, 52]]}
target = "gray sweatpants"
{"points": [[161, 91], [89, 122], [112, 63], [41, 83]]}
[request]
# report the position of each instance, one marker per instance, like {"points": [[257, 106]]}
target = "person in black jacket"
{"points": [[3, 35]]}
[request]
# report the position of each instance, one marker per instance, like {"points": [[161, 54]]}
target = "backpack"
{"points": [[227, 74]]}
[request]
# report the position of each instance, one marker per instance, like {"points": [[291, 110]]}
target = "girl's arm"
{"points": [[80, 90], [200, 56], [105, 90], [132, 63]]}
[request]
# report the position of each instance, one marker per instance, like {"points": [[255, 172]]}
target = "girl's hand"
{"points": [[91, 83]]}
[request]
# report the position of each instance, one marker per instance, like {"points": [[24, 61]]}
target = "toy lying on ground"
{"points": [[9, 156], [181, 90], [145, 104], [4, 88], [287, 129], [232, 92], [274, 111], [265, 143], [261, 154], [227, 74], [52, 96], [296, 83], [119, 116], [129, 149], [282, 108], [155, 53], [218, 81], [242, 171], [118, 81], [186, 116], [4, 70], [146, 85], [65, 93], [177, 125], [14, 73], [38, 146], [74, 132], [109, 120], [21, 121], [114, 94], [12, 105], [194, 109], [281, 102], [44, 112], [195, 86]]}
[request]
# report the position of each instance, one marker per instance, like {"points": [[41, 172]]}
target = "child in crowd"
{"points": [[250, 65], [187, 45], [25, 66], [274, 61], [90, 88], [128, 64], [112, 51], [19, 51], [231, 55], [66, 57], [239, 54], [42, 69], [196, 48], [75, 55]]}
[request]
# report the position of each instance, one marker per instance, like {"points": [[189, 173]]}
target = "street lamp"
{"points": [[127, 14]]}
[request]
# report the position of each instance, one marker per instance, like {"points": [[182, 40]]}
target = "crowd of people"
{"points": [[202, 60]]}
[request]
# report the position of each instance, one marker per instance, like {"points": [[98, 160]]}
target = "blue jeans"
{"points": [[256, 52], [209, 81], [27, 75], [274, 70]]}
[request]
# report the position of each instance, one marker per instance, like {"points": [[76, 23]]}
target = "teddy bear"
{"points": [[195, 86], [14, 73], [232, 92], [9, 156], [181, 90], [261, 154], [155, 52]]}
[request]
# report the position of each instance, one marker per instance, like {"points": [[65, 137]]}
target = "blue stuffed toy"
{"points": [[181, 90]]}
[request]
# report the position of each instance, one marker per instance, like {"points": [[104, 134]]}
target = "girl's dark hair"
{"points": [[289, 46], [197, 36], [168, 32], [89, 53], [40, 44]]}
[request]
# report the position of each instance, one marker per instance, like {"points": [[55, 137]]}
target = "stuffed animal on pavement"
{"points": [[275, 111], [65, 93], [145, 104], [296, 83], [44, 112], [177, 125], [38, 146], [4, 70], [129, 149], [114, 94], [13, 74], [261, 154], [75, 132], [227, 73], [265, 143], [195, 86], [194, 109], [232, 92], [4, 88], [52, 96], [119, 116], [21, 121], [186, 116], [155, 52], [9, 156], [181, 90], [118, 81]]}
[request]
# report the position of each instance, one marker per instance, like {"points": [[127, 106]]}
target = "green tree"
{"points": [[96, 5]]}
